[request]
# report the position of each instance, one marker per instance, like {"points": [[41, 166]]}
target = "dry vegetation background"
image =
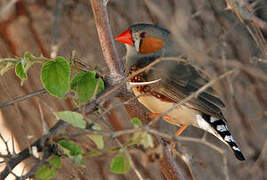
{"points": [[212, 37]]}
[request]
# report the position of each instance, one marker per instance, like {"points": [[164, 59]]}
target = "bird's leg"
{"points": [[152, 116], [182, 128]]}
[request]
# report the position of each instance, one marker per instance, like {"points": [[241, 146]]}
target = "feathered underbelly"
{"points": [[180, 115]]}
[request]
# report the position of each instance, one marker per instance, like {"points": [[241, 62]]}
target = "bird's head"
{"points": [[145, 41], [145, 38]]}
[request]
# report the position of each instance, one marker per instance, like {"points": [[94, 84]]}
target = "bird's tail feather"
{"points": [[222, 130]]}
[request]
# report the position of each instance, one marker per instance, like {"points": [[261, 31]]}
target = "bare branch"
{"points": [[14, 161], [170, 169], [55, 29], [107, 41], [5, 142], [137, 172], [44, 124], [243, 13], [225, 169], [246, 68], [213, 81], [4, 9], [257, 21], [22, 98]]}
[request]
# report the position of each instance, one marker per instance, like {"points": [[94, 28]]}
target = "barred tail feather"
{"points": [[223, 133]]}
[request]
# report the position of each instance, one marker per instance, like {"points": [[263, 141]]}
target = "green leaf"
{"points": [[27, 56], [55, 76], [85, 84], [98, 139], [120, 164], [45, 173], [92, 153], [20, 72], [74, 118], [76, 79], [143, 138], [23, 66], [55, 162], [48, 171], [147, 140], [77, 159], [70, 148], [137, 122]]}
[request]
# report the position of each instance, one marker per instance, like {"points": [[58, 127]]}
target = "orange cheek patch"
{"points": [[150, 45]]}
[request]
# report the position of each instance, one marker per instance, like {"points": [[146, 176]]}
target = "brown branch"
{"points": [[107, 41], [7, 149], [169, 167], [259, 22], [13, 161], [24, 97], [56, 28], [149, 129], [6, 8], [243, 13]]}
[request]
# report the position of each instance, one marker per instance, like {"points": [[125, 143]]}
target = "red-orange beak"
{"points": [[125, 37]]}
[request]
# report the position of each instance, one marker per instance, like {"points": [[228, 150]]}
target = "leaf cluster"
{"points": [[60, 78]]}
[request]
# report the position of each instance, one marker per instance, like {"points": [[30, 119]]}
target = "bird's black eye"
{"points": [[142, 34]]}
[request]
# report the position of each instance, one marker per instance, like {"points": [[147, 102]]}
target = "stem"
{"points": [[106, 40]]}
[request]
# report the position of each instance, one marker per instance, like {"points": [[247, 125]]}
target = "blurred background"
{"points": [[210, 35]]}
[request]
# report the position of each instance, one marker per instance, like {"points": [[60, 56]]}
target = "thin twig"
{"points": [[5, 142], [4, 10], [118, 86], [245, 67], [22, 98], [106, 110], [260, 158], [259, 22], [185, 157], [33, 169], [147, 128], [137, 172], [169, 167], [243, 13], [13, 144], [225, 169], [14, 161], [213, 81], [44, 124], [55, 29]]}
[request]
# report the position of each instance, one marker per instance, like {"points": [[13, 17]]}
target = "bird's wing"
{"points": [[176, 81], [179, 80]]}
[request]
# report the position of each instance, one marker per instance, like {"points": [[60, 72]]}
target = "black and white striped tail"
{"points": [[221, 128]]}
